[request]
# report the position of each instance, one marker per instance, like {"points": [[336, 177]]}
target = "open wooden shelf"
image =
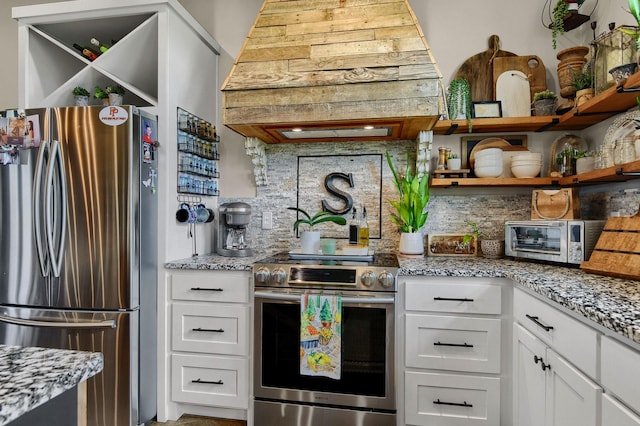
{"points": [[610, 102], [618, 173]]}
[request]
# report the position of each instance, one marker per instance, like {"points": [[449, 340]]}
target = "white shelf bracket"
{"points": [[255, 148]]}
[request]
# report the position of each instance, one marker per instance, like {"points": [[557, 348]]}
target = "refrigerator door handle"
{"points": [[56, 324], [56, 251], [44, 154]]}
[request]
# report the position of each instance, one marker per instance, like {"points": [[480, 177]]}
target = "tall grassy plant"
{"points": [[414, 196], [634, 10]]}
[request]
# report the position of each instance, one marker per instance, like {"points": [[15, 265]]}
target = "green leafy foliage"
{"points": [[320, 217], [414, 196], [80, 91]]}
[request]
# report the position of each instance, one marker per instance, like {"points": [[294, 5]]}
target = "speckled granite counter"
{"points": [[610, 302], [215, 262], [29, 377]]}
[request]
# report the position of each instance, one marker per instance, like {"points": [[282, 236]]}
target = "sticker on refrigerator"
{"points": [[148, 141], [113, 115]]}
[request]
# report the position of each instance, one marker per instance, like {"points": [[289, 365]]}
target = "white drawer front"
{"points": [[621, 371], [433, 399], [455, 297], [616, 414], [453, 343], [211, 381], [567, 336], [218, 286], [210, 328]]}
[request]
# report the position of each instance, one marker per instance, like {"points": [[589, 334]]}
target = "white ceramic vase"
{"points": [[411, 243], [454, 163], [115, 99], [310, 242], [82, 100]]}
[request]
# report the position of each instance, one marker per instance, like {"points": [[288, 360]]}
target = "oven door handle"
{"points": [[286, 296]]}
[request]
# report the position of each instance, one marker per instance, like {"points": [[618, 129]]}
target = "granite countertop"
{"points": [[610, 302], [31, 376]]}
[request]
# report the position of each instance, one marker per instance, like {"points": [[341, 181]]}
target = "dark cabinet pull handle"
{"points": [[206, 289], [538, 323], [212, 330], [206, 382], [453, 299], [544, 366], [457, 404], [460, 345]]}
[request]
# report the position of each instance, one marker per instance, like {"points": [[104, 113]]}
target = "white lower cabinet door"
{"points": [[434, 399], [572, 398], [211, 381], [616, 414], [529, 378]]}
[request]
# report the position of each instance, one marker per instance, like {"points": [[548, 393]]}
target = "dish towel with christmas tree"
{"points": [[320, 335]]}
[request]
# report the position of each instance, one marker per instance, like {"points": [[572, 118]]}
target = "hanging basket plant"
{"points": [[459, 100], [561, 9]]}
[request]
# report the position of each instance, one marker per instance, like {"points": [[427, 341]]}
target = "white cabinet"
{"points": [[453, 350], [210, 340], [616, 414], [549, 389]]}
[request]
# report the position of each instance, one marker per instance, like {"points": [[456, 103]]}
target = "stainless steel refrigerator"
{"points": [[78, 250]]}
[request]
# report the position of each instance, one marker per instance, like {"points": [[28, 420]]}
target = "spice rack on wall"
{"points": [[198, 155]]}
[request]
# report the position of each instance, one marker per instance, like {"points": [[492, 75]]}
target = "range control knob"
{"points": [[386, 279], [262, 275], [368, 278], [278, 276]]}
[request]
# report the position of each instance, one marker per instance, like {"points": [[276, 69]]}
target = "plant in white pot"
{"points": [[81, 95], [410, 215], [310, 239]]}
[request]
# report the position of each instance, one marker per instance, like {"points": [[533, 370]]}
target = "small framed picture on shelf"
{"points": [[486, 109]]}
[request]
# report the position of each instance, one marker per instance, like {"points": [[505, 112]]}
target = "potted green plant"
{"points": [[310, 239], [410, 215], [115, 92], [634, 10], [81, 95], [582, 81], [459, 100], [491, 243], [98, 93], [453, 162], [561, 9], [544, 102]]}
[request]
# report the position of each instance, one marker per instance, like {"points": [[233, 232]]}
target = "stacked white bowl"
{"points": [[488, 162], [526, 164]]}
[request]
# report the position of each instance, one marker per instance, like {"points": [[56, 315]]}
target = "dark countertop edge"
{"points": [[611, 303], [82, 366]]}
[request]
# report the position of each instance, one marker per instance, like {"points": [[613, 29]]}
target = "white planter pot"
{"points": [[492, 249], [115, 99], [411, 243], [454, 163], [310, 242], [82, 100]]}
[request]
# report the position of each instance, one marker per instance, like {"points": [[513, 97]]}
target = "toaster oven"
{"points": [[561, 241]]}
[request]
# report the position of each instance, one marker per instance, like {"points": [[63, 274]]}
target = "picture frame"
{"points": [[486, 109], [468, 143]]}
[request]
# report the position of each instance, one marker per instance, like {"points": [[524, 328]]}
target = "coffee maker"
{"points": [[233, 219]]}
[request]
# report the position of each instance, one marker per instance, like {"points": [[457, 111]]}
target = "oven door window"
{"points": [[364, 344], [537, 239]]}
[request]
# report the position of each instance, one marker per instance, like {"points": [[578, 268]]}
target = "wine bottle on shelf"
{"points": [[86, 52], [103, 48]]}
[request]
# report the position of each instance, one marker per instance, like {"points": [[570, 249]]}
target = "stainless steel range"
{"points": [[364, 393]]}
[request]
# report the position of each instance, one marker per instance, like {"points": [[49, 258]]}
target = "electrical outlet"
{"points": [[267, 220]]}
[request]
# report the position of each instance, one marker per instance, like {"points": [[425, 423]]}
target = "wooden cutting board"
{"points": [[531, 66], [478, 70], [617, 252], [513, 91]]}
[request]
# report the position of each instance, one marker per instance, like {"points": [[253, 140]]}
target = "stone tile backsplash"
{"points": [[448, 209]]}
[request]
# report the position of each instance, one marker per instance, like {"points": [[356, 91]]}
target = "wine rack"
{"points": [[197, 155]]}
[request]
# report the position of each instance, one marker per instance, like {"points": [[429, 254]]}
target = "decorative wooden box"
{"points": [[451, 245]]}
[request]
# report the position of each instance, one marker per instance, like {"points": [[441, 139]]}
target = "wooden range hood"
{"points": [[328, 70]]}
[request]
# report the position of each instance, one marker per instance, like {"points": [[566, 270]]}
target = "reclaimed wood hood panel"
{"points": [[333, 63]]}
